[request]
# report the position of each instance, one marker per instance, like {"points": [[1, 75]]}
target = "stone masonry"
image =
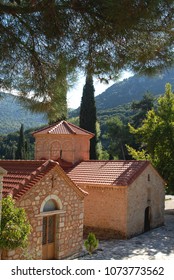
{"points": [[69, 223]]}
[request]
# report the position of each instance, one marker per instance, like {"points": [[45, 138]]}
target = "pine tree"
{"points": [[63, 35], [88, 116]]}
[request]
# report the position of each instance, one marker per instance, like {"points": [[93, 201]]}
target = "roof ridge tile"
{"points": [[69, 127], [82, 129], [54, 127]]}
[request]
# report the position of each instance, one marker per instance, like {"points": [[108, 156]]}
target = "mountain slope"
{"points": [[113, 101], [133, 88], [12, 114]]}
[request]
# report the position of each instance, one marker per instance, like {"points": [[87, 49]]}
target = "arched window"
{"points": [[67, 151], [55, 150], [50, 205]]}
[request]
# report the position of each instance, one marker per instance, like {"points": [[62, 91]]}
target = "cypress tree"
{"points": [[88, 116], [20, 152]]}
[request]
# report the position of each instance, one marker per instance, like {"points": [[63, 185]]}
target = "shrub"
{"points": [[15, 228], [91, 243]]}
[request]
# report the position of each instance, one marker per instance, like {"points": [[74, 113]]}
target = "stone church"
{"points": [[66, 195]]}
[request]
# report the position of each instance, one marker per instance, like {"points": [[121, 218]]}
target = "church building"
{"points": [[66, 195]]}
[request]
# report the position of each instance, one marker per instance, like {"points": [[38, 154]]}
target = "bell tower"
{"points": [[62, 141]]}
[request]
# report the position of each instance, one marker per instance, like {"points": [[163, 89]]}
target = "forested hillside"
{"points": [[12, 115], [116, 99], [134, 88]]}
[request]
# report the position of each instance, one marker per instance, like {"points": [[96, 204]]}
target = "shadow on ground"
{"points": [[153, 245]]}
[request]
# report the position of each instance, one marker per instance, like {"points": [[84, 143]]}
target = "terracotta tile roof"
{"points": [[23, 174], [63, 127], [116, 173]]}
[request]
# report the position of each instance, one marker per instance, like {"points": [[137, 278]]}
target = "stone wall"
{"points": [[105, 211], [69, 222], [146, 191]]}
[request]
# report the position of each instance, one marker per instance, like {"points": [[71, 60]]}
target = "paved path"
{"points": [[157, 244]]}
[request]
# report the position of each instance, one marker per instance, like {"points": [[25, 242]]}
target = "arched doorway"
{"points": [[147, 219], [48, 231]]}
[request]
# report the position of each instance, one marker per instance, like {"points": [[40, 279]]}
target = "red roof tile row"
{"points": [[116, 173]]}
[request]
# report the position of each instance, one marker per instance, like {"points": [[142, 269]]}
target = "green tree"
{"points": [[156, 136], [44, 40], [15, 227], [88, 117], [118, 135], [101, 153], [10, 142]]}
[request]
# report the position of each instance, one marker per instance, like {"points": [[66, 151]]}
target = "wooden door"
{"points": [[48, 238]]}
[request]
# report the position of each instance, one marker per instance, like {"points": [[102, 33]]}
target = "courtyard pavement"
{"points": [[157, 244]]}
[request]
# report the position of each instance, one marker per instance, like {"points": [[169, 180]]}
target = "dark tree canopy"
{"points": [[43, 42], [141, 108]]}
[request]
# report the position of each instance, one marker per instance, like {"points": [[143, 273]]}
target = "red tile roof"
{"points": [[23, 174], [63, 127], [116, 173]]}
